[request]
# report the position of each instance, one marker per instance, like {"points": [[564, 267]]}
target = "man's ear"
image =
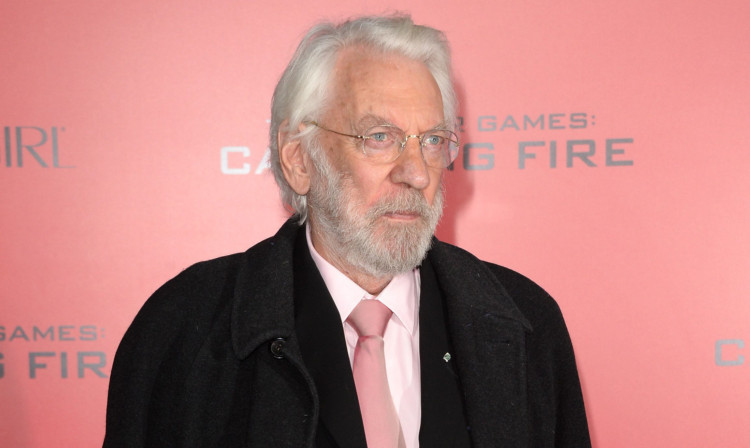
{"points": [[295, 164]]}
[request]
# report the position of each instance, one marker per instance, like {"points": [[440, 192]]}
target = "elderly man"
{"points": [[352, 326]]}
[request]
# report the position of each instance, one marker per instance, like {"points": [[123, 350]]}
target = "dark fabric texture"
{"points": [[215, 358]]}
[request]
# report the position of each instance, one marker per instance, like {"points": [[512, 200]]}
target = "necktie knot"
{"points": [[369, 318]]}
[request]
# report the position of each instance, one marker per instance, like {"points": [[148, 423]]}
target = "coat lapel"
{"points": [[488, 335], [323, 346], [443, 420], [280, 278]]}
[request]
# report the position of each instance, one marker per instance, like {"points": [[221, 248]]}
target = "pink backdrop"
{"points": [[605, 156]]}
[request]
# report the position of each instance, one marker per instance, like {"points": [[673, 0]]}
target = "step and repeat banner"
{"points": [[604, 154]]}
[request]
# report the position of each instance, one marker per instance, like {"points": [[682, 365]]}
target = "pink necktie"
{"points": [[382, 428]]}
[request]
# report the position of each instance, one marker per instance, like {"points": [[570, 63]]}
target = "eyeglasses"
{"points": [[385, 143]]}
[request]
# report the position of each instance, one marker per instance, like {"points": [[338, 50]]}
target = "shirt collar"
{"points": [[401, 295]]}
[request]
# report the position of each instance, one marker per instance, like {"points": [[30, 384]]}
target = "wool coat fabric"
{"points": [[213, 358]]}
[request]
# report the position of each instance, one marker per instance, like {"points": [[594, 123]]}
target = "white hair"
{"points": [[301, 93]]}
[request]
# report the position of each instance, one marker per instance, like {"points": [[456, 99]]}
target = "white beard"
{"points": [[370, 242]]}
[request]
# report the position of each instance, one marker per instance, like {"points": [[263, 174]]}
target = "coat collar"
{"points": [[264, 282], [461, 274], [487, 329]]}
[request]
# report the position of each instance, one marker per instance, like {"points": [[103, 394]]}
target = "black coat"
{"points": [[213, 358]]}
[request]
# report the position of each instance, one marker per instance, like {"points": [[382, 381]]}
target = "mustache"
{"points": [[410, 201]]}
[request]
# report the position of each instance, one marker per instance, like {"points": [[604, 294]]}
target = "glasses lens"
{"points": [[440, 147], [382, 143]]}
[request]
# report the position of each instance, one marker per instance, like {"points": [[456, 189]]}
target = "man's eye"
{"points": [[379, 137], [433, 140]]}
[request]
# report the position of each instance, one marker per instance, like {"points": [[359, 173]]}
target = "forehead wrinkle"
{"points": [[353, 91], [370, 120]]}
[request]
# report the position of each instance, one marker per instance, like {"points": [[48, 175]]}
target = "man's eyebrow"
{"points": [[370, 120]]}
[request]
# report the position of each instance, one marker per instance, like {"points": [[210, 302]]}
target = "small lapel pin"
{"points": [[446, 357]]}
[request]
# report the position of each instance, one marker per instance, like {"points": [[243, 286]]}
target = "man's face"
{"points": [[376, 218]]}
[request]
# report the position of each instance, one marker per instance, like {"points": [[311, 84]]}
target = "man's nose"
{"points": [[411, 168]]}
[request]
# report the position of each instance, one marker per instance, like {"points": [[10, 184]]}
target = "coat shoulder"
{"points": [[185, 322], [531, 299], [208, 283], [553, 391]]}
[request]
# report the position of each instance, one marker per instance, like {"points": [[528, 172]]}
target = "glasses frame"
{"points": [[419, 137]]}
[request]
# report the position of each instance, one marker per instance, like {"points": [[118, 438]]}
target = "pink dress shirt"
{"points": [[401, 335]]}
